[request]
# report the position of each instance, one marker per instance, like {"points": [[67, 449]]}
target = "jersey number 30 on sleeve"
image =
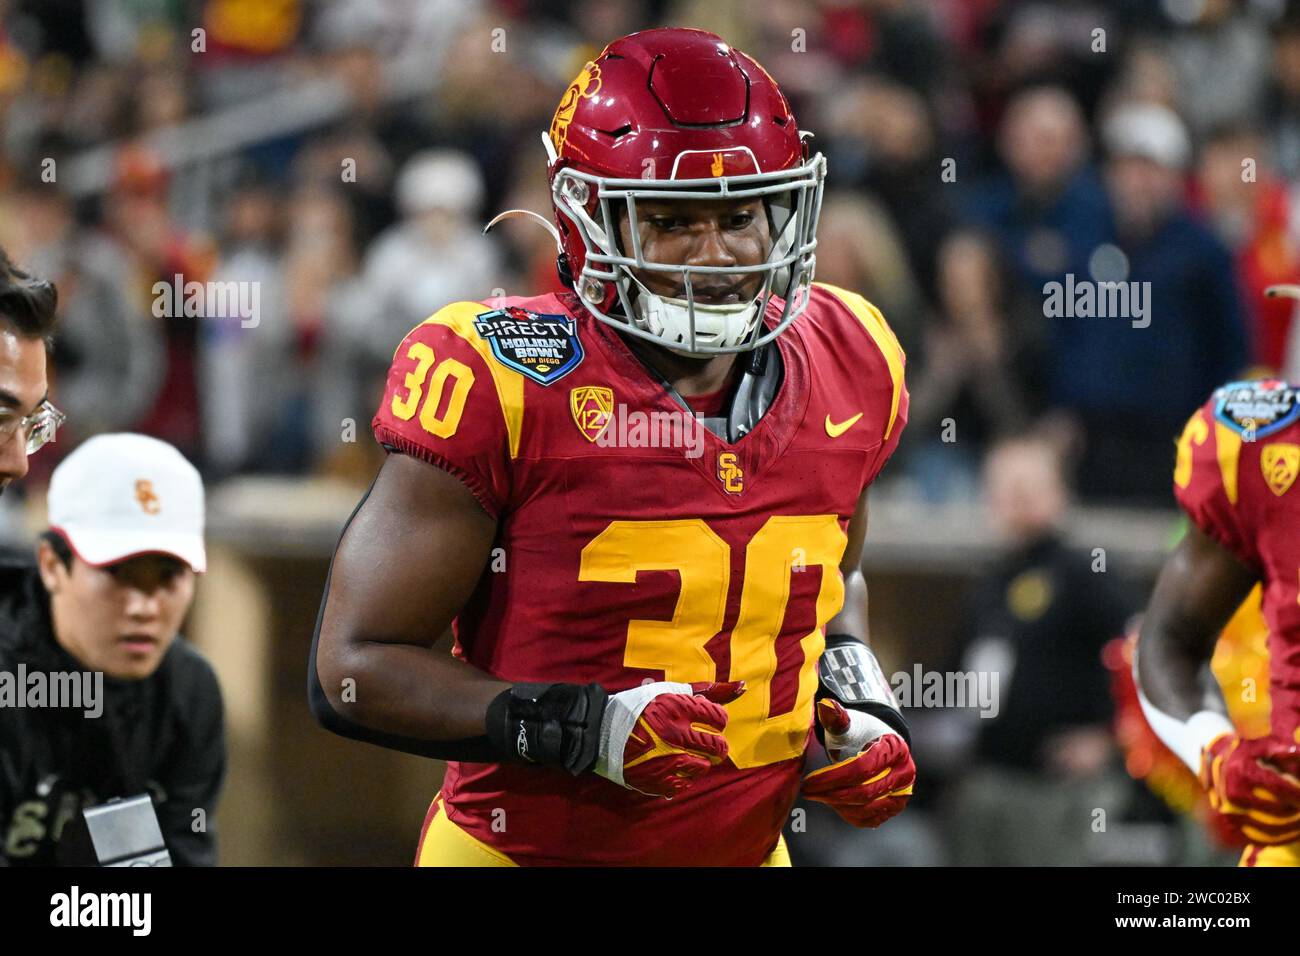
{"points": [[462, 379]]}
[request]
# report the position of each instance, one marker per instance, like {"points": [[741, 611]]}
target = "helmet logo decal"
{"points": [[716, 168], [585, 86]]}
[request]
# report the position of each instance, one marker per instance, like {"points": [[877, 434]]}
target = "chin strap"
{"points": [[670, 319]]}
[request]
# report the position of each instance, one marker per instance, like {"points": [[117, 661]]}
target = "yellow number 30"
{"points": [[462, 377], [758, 732]]}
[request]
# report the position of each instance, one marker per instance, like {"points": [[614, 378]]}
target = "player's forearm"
{"points": [[1170, 661], [850, 673], [409, 690], [1198, 589], [852, 617], [1196, 593]]}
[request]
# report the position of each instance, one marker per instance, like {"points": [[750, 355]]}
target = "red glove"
{"points": [[658, 738], [869, 787], [1253, 788]]}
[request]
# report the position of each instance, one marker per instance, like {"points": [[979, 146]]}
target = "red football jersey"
{"points": [[636, 545], [1238, 458]]}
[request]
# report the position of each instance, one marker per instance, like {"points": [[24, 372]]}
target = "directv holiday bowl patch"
{"points": [[543, 347], [1256, 409]]}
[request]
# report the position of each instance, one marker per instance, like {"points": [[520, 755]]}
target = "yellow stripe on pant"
{"points": [[446, 844]]}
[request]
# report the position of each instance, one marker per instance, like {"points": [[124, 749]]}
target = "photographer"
{"points": [[113, 580]]}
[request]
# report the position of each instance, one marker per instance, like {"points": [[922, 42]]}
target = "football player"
{"points": [[641, 503], [1235, 472]]}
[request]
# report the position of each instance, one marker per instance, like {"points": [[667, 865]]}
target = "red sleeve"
{"points": [[443, 404], [1206, 482], [880, 368]]}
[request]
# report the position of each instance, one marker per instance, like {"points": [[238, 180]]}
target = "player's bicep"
{"points": [[1199, 588], [857, 535], [409, 559]]}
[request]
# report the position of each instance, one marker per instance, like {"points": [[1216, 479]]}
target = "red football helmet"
{"points": [[679, 114]]}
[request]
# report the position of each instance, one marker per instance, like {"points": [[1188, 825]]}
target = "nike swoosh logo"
{"points": [[835, 431]]}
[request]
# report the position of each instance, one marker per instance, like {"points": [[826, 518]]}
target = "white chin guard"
{"points": [[716, 326]]}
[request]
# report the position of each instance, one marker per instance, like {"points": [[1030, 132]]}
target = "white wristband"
{"points": [[863, 729], [621, 714], [1186, 738]]}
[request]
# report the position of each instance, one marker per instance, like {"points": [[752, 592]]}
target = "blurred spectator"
{"points": [[109, 361], [883, 138], [981, 374], [436, 254], [243, 378], [1131, 378], [858, 248], [1220, 55], [1035, 43], [1038, 622], [334, 311], [246, 47], [1255, 214], [151, 248], [1048, 210], [1281, 102]]}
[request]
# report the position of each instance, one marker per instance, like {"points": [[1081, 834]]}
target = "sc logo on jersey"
{"points": [[730, 474]]}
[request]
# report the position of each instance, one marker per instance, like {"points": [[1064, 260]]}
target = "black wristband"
{"points": [[848, 671], [554, 725]]}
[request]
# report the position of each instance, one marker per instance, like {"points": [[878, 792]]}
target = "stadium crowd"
{"points": [[978, 151], [340, 158]]}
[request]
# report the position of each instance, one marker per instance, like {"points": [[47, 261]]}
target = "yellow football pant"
{"points": [[1288, 854], [445, 844]]}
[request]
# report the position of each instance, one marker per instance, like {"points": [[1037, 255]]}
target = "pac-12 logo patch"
{"points": [[592, 406], [1256, 409], [1280, 463], [543, 347]]}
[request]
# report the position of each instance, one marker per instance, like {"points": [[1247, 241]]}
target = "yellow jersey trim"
{"points": [[1227, 445], [459, 317], [882, 335]]}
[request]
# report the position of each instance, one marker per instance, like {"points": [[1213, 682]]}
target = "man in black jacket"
{"points": [[99, 612]]}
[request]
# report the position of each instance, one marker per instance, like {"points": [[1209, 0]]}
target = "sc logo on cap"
{"points": [[147, 497]]}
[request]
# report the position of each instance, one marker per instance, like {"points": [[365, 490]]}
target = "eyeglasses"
{"points": [[38, 428]]}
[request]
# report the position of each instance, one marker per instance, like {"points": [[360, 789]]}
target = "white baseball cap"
{"points": [[1148, 130], [439, 179], [119, 496]]}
